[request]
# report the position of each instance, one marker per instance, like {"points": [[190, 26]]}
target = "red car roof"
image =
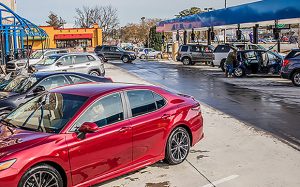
{"points": [[93, 89]]}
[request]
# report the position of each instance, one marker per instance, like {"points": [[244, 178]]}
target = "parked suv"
{"points": [[107, 53], [257, 61], [16, 65], [82, 63], [291, 67], [221, 52], [192, 53]]}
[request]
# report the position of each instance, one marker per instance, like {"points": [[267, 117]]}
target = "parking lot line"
{"points": [[221, 181]]}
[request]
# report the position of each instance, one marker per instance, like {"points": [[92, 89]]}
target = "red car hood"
{"points": [[12, 139]]}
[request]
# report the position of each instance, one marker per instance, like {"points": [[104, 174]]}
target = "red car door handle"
{"points": [[124, 129], [166, 116]]}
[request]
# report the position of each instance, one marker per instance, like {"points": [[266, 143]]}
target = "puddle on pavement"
{"points": [[160, 184]]}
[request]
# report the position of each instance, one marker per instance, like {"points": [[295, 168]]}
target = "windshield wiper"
{"points": [[41, 118], [9, 124], [27, 128], [41, 103]]}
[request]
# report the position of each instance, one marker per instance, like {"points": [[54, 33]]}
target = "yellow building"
{"points": [[69, 38]]}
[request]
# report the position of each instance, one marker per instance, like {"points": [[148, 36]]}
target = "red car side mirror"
{"points": [[87, 128]]}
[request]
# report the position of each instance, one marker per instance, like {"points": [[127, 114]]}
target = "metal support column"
{"points": [[278, 41], [255, 34], [209, 36]]}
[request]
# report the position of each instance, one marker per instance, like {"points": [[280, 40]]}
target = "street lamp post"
{"points": [[225, 3]]}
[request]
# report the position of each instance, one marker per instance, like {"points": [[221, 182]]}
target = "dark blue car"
{"points": [[291, 67], [18, 91]]}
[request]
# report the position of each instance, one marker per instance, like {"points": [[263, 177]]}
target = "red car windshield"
{"points": [[48, 113]]}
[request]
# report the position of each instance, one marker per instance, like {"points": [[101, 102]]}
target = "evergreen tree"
{"points": [[55, 20]]}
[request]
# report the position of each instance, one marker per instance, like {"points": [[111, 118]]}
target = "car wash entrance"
{"points": [[243, 23]]}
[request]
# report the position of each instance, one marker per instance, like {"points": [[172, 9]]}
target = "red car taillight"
{"points": [[285, 62]]}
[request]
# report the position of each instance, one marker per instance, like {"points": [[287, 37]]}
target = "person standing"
{"points": [[231, 59]]}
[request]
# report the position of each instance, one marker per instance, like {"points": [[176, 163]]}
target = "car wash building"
{"points": [[71, 37], [275, 15]]}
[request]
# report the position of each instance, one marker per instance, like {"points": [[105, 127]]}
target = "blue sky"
{"points": [[129, 11]]}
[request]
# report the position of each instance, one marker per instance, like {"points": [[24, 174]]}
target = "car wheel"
{"points": [[3, 113], [272, 70], [143, 57], [178, 146], [125, 59], [238, 72], [94, 73], [41, 175], [296, 78], [223, 65], [186, 61]]}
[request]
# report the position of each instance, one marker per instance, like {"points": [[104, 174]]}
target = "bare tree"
{"points": [[105, 16], [138, 33]]}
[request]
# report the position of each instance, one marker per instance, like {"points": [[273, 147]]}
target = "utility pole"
{"points": [[225, 3]]}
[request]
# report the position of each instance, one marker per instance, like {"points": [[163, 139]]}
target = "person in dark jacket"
{"points": [[230, 61]]}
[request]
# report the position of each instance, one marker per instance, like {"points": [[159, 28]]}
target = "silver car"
{"points": [[87, 63], [15, 66]]}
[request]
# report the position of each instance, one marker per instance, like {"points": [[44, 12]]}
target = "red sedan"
{"points": [[82, 135]]}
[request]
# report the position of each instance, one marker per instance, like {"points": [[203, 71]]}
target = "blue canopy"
{"points": [[265, 10], [13, 29]]}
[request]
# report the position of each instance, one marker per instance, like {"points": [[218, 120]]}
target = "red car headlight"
{"points": [[7, 164]]}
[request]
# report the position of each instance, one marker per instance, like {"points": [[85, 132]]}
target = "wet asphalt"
{"points": [[256, 109]]}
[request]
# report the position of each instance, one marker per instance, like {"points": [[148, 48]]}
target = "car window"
{"points": [[251, 57], [159, 100], [196, 48], [25, 84], [222, 49], [240, 47], [36, 55], [81, 59], [53, 82], [98, 48], [66, 61], [184, 48], [106, 49], [59, 52], [91, 58], [114, 49], [253, 47], [106, 111], [47, 113], [141, 102], [50, 53], [77, 79], [293, 54]]}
